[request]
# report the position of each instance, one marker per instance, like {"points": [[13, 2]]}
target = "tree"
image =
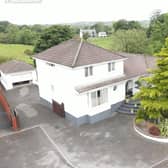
{"points": [[157, 31], [99, 27], [126, 25], [52, 36], [86, 36], [26, 36], [3, 26], [154, 94], [132, 41]]}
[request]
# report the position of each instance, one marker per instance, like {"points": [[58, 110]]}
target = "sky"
{"points": [[68, 11]]}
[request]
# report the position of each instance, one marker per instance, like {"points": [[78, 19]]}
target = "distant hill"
{"points": [[144, 23]]}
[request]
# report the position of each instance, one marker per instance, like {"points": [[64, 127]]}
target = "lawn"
{"points": [[107, 42], [15, 51]]}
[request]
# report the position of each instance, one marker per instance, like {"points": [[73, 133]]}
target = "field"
{"points": [[107, 42], [15, 51]]}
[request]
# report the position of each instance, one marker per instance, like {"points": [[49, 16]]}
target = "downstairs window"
{"points": [[99, 97]]}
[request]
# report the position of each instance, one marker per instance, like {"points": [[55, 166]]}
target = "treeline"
{"points": [[129, 36], [15, 34]]}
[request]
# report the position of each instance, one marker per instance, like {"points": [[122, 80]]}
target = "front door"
{"points": [[129, 88]]}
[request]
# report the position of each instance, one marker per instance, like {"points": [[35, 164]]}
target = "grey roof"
{"points": [[83, 54], [15, 66], [136, 65]]}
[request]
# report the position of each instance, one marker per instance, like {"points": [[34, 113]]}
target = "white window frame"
{"points": [[111, 66], [88, 71], [99, 97]]}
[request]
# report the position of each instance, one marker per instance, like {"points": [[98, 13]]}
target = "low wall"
{"points": [[148, 136]]}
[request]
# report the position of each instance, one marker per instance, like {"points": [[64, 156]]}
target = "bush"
{"points": [[154, 130], [139, 121], [164, 128], [28, 52]]}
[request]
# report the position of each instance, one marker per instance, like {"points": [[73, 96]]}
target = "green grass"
{"points": [[107, 42], [15, 51]]}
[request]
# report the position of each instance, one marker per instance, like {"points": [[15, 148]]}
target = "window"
{"points": [[88, 71], [50, 64], [114, 88], [99, 97], [111, 66]]}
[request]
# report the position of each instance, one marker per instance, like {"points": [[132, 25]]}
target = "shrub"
{"points": [[28, 52], [154, 130], [141, 114], [139, 121], [164, 128]]}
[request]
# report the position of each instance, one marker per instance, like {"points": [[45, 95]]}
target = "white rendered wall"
{"points": [[59, 83], [100, 72], [8, 79]]}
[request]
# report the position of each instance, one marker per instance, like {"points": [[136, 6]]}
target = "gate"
{"points": [[12, 116], [58, 108]]}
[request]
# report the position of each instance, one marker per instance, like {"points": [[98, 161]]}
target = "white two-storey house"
{"points": [[86, 83]]}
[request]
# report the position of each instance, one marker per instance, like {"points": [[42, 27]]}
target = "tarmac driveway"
{"points": [[111, 143]]}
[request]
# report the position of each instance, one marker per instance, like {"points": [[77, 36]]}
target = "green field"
{"points": [[15, 51], [107, 42]]}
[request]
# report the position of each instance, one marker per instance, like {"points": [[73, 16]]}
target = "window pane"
{"points": [[109, 67], [94, 99], [86, 71], [113, 66], [91, 70]]}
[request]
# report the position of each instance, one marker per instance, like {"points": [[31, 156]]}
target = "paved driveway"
{"points": [[111, 143], [29, 149]]}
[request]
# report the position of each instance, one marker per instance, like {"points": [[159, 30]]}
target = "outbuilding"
{"points": [[16, 73]]}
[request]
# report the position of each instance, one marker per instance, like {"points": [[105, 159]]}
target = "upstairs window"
{"points": [[111, 66], [88, 71]]}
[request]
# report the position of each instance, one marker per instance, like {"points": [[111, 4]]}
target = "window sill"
{"points": [[98, 109]]}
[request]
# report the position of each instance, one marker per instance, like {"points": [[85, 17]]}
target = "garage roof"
{"points": [[15, 66]]}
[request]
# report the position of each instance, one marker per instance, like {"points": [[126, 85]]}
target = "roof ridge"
{"points": [[77, 53]]}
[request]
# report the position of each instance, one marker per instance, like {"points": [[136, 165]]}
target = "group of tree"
{"points": [[132, 37], [154, 90], [157, 31], [15, 34], [53, 36], [126, 25], [101, 27]]}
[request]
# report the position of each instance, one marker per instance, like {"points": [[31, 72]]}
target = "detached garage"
{"points": [[16, 73]]}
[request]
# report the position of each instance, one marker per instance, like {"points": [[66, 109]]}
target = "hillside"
{"points": [[15, 51]]}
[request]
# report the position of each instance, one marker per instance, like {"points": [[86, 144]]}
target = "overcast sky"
{"points": [[66, 11]]}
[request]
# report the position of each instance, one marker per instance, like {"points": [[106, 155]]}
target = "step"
{"points": [[130, 105], [132, 102], [127, 109], [125, 112]]}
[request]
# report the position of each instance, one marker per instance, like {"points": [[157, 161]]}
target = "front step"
{"points": [[129, 107]]}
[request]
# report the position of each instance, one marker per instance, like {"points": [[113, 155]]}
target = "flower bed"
{"points": [[149, 131]]}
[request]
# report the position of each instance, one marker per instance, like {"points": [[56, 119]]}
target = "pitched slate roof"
{"points": [[74, 53], [15, 66], [136, 65]]}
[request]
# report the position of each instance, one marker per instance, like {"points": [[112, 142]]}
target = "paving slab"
{"points": [[29, 149]]}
